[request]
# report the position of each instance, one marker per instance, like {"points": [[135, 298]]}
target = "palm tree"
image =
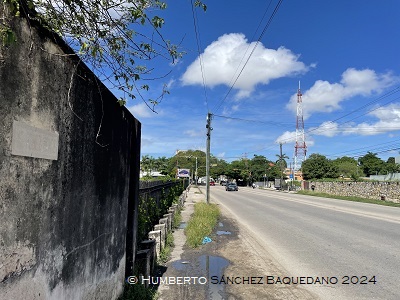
{"points": [[281, 162]]}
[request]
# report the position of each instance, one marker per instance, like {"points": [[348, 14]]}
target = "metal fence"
{"points": [[155, 197]]}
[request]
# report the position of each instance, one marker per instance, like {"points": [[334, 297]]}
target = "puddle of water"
{"points": [[182, 225], [210, 267], [180, 265], [221, 232], [214, 266]]}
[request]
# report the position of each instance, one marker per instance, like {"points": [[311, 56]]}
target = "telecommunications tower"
{"points": [[300, 148]]}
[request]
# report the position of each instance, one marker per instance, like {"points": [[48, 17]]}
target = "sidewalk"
{"points": [[233, 253], [177, 262], [193, 196]]}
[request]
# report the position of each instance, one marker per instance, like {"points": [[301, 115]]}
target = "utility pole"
{"points": [[208, 126], [281, 164], [195, 174]]}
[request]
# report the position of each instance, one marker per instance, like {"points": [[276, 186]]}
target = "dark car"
{"points": [[231, 187]]}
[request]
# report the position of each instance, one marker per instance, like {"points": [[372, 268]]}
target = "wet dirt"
{"points": [[231, 267]]}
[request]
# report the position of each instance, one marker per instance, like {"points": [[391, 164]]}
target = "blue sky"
{"points": [[344, 53]]}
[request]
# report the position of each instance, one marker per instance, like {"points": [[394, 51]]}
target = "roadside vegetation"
{"points": [[169, 240], [150, 210], [201, 224], [262, 169], [348, 198], [166, 251], [139, 291]]}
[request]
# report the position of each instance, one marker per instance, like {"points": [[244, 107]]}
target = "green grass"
{"points": [[177, 218], [349, 198], [166, 251], [138, 291], [201, 224]]}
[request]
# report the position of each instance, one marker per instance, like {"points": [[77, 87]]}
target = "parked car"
{"points": [[222, 182], [212, 183], [231, 187]]}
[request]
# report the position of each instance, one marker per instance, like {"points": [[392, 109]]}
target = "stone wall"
{"points": [[69, 173], [390, 191]]}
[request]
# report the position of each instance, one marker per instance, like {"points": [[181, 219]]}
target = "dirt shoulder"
{"points": [[232, 266]]}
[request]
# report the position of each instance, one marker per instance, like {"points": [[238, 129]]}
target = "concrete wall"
{"points": [[387, 177], [371, 190], [63, 218]]}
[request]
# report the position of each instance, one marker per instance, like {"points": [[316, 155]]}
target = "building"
{"points": [[298, 175]]}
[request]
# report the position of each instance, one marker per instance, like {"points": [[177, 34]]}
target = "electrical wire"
{"points": [[248, 47], [197, 34], [390, 93], [217, 107]]}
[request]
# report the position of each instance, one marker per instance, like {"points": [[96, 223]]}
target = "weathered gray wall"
{"points": [[364, 189], [63, 223]]}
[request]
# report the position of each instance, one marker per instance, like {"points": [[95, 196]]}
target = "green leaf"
{"points": [[157, 21], [121, 101], [198, 3]]}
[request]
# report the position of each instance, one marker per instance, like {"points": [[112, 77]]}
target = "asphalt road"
{"points": [[352, 245]]}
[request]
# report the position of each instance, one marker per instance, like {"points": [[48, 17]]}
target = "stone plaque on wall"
{"points": [[34, 142]]}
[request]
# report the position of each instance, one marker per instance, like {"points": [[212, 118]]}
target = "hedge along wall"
{"points": [[155, 197], [371, 190], [69, 173]]}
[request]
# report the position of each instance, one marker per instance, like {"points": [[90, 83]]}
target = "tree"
{"points": [[258, 166], [187, 160], [347, 167], [161, 165], [147, 164], [238, 170], [390, 166], [121, 41], [281, 162], [317, 166], [218, 167], [371, 164]]}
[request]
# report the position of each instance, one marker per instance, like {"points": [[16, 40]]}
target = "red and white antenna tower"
{"points": [[300, 148]]}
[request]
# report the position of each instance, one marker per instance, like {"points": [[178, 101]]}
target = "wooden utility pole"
{"points": [[208, 126], [281, 164]]}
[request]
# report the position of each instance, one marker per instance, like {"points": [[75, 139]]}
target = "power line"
{"points": [[370, 148], [248, 46], [252, 121], [199, 51], [390, 93], [252, 51]]}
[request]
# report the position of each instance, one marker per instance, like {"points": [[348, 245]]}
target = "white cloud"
{"points": [[227, 111], [140, 111], [221, 155], [194, 133], [389, 120], [326, 97], [223, 59], [286, 137], [290, 137], [328, 129]]}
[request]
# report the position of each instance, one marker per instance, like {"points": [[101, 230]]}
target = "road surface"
{"points": [[355, 247]]}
